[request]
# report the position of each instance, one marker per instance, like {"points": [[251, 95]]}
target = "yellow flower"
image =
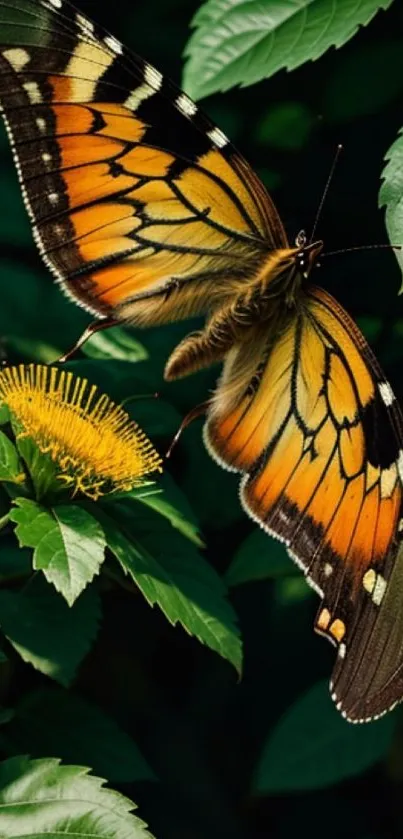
{"points": [[93, 441]]}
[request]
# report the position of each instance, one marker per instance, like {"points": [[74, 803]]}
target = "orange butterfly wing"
{"points": [[136, 198], [317, 435]]}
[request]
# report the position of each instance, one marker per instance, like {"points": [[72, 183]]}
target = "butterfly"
{"points": [[146, 214]]}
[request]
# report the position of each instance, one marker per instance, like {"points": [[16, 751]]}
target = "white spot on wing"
{"points": [[33, 92], [369, 580], [217, 137], [152, 76], [55, 4], [400, 464], [53, 197], [17, 57], [84, 24], [379, 590], [41, 124], [342, 650], [113, 44], [46, 157], [328, 569], [386, 392], [186, 106]]}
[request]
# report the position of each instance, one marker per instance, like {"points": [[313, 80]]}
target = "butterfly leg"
{"points": [[200, 349], [193, 414], [193, 353], [96, 326]]}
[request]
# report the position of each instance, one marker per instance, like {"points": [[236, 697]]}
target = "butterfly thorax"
{"points": [[268, 299]]}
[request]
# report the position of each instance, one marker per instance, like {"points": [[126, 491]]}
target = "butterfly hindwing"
{"points": [[140, 205], [318, 435]]}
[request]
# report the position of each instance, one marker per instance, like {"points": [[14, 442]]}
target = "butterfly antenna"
{"points": [[196, 412], [136, 396], [362, 248], [325, 191]]}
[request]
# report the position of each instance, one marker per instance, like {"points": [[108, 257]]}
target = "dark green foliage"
{"points": [[302, 755], [159, 637]]}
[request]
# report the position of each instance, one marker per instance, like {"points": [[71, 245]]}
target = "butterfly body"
{"points": [[267, 298], [146, 214]]}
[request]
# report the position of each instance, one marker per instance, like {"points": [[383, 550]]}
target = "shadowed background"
{"points": [[202, 731]]}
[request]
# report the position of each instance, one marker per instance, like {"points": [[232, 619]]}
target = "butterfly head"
{"points": [[307, 254]]}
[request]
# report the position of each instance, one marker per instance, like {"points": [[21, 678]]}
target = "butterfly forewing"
{"points": [[132, 191]]}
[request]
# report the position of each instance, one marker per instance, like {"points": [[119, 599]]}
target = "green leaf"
{"points": [[15, 227], [154, 415], [38, 351], [312, 746], [119, 379], [170, 573], [41, 797], [6, 715], [391, 195], [115, 343], [54, 721], [11, 468], [42, 469], [135, 389], [291, 590], [69, 544], [259, 557], [47, 633], [15, 562], [32, 520], [169, 501], [4, 414], [239, 42], [216, 509], [23, 299], [286, 125]]}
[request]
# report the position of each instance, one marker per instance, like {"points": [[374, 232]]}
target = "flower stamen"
{"points": [[95, 444]]}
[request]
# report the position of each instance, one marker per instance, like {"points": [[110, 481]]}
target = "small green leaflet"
{"points": [[259, 557], [302, 754], [391, 195], [285, 126], [55, 721], [4, 414], [167, 499], [169, 572], [69, 544], [11, 468], [42, 797], [45, 631], [240, 42], [114, 343]]}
